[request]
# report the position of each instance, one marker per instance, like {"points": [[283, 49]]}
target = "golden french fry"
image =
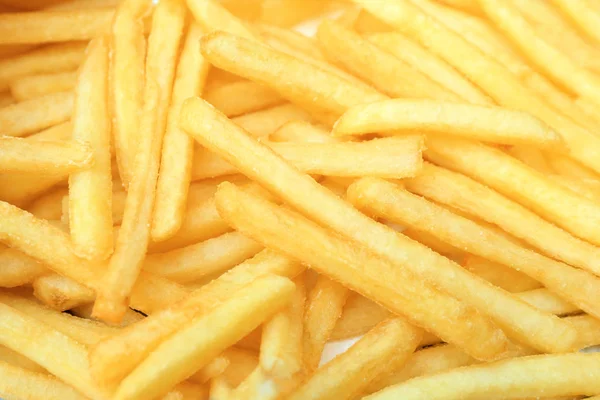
{"points": [[303, 132], [85, 311], [439, 246], [132, 242], [272, 35], [49, 206], [564, 165], [521, 377], [532, 157], [584, 14], [265, 122], [324, 307], [492, 124], [90, 191], [45, 157], [207, 258], [242, 363], [211, 370], [588, 188], [9, 50], [13, 358], [118, 204], [238, 98], [178, 148], [291, 12], [113, 359], [547, 301], [429, 64], [6, 99], [500, 275], [21, 119], [220, 389], [19, 269], [588, 330], [20, 383], [29, 87], [301, 82], [387, 345], [57, 26], [48, 59], [384, 71], [61, 293], [359, 316], [206, 336], [213, 16], [128, 51], [83, 4]]}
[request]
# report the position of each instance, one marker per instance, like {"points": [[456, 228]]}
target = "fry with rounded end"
{"points": [[29, 87], [484, 123], [61, 293], [570, 374]]}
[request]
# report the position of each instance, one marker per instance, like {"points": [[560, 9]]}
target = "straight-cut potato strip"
{"points": [[207, 335], [178, 148], [128, 55], [585, 15], [389, 344], [483, 123], [475, 199], [20, 383], [56, 26], [429, 64], [116, 357], [213, 16], [359, 270], [302, 132], [31, 86], [571, 374], [56, 352], [532, 157], [265, 122], [19, 269], [292, 38], [500, 275], [134, 236], [61, 293], [26, 117], [566, 166], [387, 73], [44, 156], [300, 82], [238, 98], [90, 191], [550, 200]]}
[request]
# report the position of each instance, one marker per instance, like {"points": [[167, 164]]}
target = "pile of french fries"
{"points": [[197, 200]]}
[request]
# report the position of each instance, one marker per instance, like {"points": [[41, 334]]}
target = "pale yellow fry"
{"points": [[213, 16], [113, 359], [132, 242], [393, 203], [211, 370], [303, 132], [13, 358], [385, 72], [203, 259], [358, 269], [584, 13], [242, 363], [566, 166], [205, 337], [19, 269], [546, 300], [508, 176], [21, 119], [19, 383], [32, 86], [388, 344], [431, 65], [57, 26], [588, 330], [287, 75], [292, 38], [60, 293], [119, 197], [54, 58], [475, 199], [265, 122], [128, 56], [178, 148], [500, 275], [532, 157], [359, 316], [301, 191], [324, 307], [57, 353], [588, 188], [439, 246], [485, 123], [238, 98], [572, 374], [45, 157], [90, 191]]}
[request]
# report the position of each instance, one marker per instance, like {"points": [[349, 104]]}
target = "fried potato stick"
{"points": [[29, 87]]}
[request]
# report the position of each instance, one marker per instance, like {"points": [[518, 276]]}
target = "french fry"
{"points": [[296, 40], [90, 191], [324, 307], [439, 246], [113, 359], [387, 158], [119, 198], [54, 58], [390, 343], [429, 64], [493, 124], [303, 132], [568, 167], [359, 316], [328, 92], [9, 50], [6, 99], [384, 71], [47, 347], [61, 131], [47, 157], [20, 383], [521, 377], [13, 358], [242, 363], [213, 16], [128, 51], [49, 206], [85, 311], [532, 157], [60, 293], [584, 15], [207, 258], [587, 188], [243, 9], [21, 119], [132, 242], [220, 389], [290, 12], [18, 269], [83, 4], [500, 275], [13, 5], [362, 271], [530, 188], [29, 87], [265, 122], [211, 370], [238, 98], [178, 148], [588, 330], [193, 346], [547, 301], [56, 26]]}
